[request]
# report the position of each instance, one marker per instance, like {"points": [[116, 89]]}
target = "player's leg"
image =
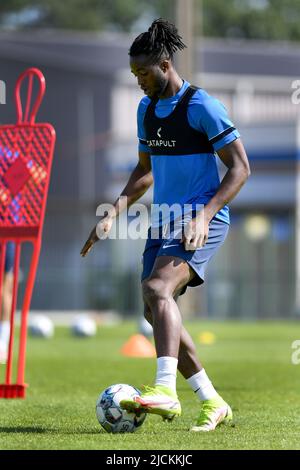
{"points": [[7, 291], [188, 363], [214, 410], [168, 275]]}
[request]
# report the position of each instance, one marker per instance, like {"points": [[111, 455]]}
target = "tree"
{"points": [[256, 19], [75, 14], [252, 19]]}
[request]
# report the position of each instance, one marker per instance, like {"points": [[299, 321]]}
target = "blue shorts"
{"points": [[197, 260], [9, 257]]}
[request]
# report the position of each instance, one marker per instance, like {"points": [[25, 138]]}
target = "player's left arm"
{"points": [[210, 116], [234, 157]]}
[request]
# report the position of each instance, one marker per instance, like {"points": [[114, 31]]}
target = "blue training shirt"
{"points": [[189, 179]]}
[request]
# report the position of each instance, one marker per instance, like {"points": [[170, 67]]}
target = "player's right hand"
{"points": [[100, 232], [93, 238]]}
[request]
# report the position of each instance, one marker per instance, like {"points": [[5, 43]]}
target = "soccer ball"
{"points": [[111, 416], [83, 326], [41, 326]]}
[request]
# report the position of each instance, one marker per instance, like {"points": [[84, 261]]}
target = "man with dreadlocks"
{"points": [[180, 127]]}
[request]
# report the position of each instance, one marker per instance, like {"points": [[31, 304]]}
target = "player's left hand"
{"points": [[196, 232]]}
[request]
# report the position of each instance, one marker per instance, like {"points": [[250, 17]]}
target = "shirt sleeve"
{"points": [[143, 147], [214, 121]]}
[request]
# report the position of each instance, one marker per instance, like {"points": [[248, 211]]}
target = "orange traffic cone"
{"points": [[138, 346]]}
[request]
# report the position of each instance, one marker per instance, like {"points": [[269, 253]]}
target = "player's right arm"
{"points": [[139, 182]]}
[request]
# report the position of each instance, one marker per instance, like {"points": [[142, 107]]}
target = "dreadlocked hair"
{"points": [[162, 38]]}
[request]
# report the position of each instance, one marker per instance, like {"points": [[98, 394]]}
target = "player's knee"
{"points": [[154, 290]]}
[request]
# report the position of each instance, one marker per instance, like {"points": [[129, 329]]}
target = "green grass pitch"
{"points": [[250, 365]]}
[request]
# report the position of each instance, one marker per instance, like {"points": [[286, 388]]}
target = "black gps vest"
{"points": [[173, 135]]}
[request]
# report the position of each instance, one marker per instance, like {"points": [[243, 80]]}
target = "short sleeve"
{"points": [[143, 147], [216, 124]]}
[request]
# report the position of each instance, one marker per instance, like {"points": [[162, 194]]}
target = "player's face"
{"points": [[151, 78]]}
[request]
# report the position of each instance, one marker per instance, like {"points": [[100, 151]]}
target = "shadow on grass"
{"points": [[82, 432], [40, 430], [22, 429], [102, 432]]}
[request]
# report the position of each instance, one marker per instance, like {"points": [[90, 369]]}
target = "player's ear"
{"points": [[165, 65]]}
